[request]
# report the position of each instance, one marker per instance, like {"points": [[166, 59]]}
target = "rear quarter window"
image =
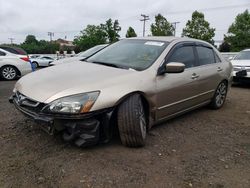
{"points": [[2, 53], [13, 50]]}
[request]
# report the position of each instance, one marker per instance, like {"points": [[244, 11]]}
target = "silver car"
{"points": [[132, 84], [13, 65], [241, 66]]}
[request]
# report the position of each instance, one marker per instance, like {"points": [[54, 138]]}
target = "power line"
{"points": [[145, 18], [50, 34], [211, 8], [11, 40]]}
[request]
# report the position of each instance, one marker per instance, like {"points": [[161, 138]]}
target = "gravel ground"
{"points": [[204, 148]]}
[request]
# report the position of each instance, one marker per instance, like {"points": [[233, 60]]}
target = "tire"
{"points": [[132, 122], [35, 65], [8, 72], [219, 96]]}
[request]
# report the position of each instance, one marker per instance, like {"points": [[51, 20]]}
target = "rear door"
{"points": [[208, 70]]}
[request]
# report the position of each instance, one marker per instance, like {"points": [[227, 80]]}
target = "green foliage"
{"points": [[239, 32], [161, 27], [112, 29], [199, 28], [224, 47], [32, 46], [91, 36], [131, 33]]}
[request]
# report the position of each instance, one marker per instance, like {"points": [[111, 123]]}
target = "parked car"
{"points": [[81, 55], [13, 65], [41, 61], [134, 83], [15, 50], [241, 66]]}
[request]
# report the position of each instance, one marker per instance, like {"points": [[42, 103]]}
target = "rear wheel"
{"points": [[35, 65], [219, 96], [132, 122], [8, 72]]}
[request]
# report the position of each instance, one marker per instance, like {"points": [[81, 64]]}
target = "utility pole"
{"points": [[145, 18], [174, 24], [11, 40], [50, 34]]}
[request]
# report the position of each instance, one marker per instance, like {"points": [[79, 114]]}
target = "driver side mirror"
{"points": [[172, 67]]}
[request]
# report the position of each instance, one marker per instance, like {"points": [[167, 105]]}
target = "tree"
{"points": [[30, 39], [112, 29], [91, 36], [239, 32], [199, 28], [161, 27], [224, 47], [32, 46], [131, 33]]}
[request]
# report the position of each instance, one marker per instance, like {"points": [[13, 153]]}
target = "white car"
{"points": [[241, 66], [13, 65], [81, 55], [41, 61]]}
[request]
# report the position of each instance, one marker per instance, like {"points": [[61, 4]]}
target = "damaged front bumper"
{"points": [[84, 130]]}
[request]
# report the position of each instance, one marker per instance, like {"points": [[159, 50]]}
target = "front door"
{"points": [[177, 91]]}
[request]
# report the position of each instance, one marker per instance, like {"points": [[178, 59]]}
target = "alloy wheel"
{"points": [[221, 93], [142, 118], [9, 73]]}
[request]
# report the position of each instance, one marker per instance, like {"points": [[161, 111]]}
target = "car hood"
{"points": [[67, 60], [50, 83], [240, 62]]}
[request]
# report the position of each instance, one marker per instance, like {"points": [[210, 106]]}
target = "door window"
{"points": [[185, 55], [205, 55]]}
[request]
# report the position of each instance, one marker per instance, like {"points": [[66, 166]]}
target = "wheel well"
{"points": [[18, 72], [225, 80], [145, 103]]}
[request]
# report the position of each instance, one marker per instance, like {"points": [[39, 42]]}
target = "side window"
{"points": [[205, 55], [2, 53], [217, 59], [184, 54]]}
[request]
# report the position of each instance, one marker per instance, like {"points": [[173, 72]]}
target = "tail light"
{"points": [[25, 58]]}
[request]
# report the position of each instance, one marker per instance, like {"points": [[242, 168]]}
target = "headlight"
{"points": [[74, 104]]}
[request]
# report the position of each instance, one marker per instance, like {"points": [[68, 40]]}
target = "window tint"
{"points": [[2, 53], [217, 59], [14, 50], [184, 55], [206, 55]]}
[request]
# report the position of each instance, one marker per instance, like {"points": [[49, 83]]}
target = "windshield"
{"points": [[91, 51], [132, 53], [243, 55]]}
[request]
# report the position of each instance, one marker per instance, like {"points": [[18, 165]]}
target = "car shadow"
{"points": [[244, 85]]}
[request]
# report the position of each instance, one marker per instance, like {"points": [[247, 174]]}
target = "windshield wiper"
{"points": [[108, 64]]}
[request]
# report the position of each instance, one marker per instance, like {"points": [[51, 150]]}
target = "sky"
{"points": [[65, 18]]}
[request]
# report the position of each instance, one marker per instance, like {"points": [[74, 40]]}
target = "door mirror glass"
{"points": [[174, 67]]}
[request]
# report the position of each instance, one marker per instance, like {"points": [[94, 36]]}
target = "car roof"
{"points": [[14, 50], [169, 39], [246, 50], [157, 38]]}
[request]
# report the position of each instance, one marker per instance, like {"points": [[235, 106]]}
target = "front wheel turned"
{"points": [[132, 123]]}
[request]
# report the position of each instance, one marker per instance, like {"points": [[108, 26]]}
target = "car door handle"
{"points": [[219, 69], [194, 76]]}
